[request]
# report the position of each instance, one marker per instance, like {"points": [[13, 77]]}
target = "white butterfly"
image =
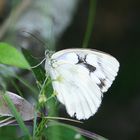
{"points": [[80, 77]]}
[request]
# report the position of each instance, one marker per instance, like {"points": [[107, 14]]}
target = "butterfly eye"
{"points": [[46, 52]]}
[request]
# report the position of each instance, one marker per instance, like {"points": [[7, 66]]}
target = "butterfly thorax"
{"points": [[49, 60]]}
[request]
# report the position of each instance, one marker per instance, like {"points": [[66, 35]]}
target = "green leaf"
{"points": [[11, 56], [39, 72], [62, 132]]}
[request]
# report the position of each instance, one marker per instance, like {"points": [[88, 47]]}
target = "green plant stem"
{"points": [[90, 23], [41, 127], [16, 115], [34, 124]]}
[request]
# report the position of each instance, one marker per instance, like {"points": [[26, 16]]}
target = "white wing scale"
{"points": [[79, 89]]}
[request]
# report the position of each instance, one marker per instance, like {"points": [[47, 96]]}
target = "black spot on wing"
{"points": [[89, 67], [102, 83], [82, 61]]}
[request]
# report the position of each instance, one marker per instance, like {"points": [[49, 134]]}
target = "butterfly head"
{"points": [[48, 54]]}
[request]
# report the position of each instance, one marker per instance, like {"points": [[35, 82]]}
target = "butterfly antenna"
{"points": [[38, 64], [35, 37]]}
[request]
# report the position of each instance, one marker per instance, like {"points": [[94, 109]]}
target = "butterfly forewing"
{"points": [[80, 76]]}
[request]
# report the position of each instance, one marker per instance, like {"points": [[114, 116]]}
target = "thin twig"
{"points": [[64, 119], [6, 119]]}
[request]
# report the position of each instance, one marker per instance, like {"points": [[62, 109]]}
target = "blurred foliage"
{"points": [[64, 133], [8, 133]]}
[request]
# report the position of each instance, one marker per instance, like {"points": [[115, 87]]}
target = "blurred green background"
{"points": [[116, 30]]}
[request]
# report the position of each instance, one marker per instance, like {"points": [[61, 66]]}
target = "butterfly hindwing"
{"points": [[76, 90]]}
